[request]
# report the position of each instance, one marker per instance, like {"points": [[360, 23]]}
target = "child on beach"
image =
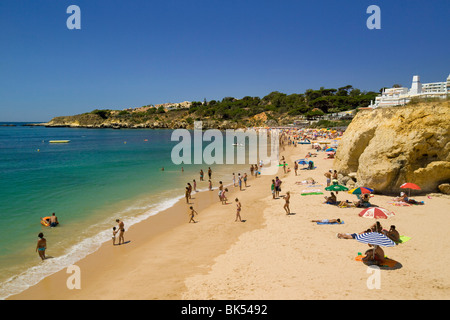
{"points": [[114, 236], [192, 212], [210, 185], [195, 185], [234, 180]]}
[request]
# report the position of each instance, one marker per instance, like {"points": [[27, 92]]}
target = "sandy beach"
{"points": [[269, 256]]}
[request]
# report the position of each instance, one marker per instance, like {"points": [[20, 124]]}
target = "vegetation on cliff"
{"points": [[275, 108]]}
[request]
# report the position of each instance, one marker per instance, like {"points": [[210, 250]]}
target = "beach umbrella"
{"points": [[303, 162], [376, 213], [360, 190], [409, 185], [330, 149], [336, 187], [375, 238]]}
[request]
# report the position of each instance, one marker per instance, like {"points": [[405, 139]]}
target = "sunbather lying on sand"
{"points": [[328, 221]]}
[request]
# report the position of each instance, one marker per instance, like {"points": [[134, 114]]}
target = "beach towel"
{"points": [[400, 204], [311, 192], [404, 239], [321, 223]]}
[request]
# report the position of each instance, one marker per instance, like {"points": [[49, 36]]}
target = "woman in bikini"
{"points": [[238, 210], [286, 204], [41, 246]]}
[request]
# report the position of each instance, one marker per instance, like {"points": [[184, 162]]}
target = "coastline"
{"points": [[157, 235], [270, 256]]}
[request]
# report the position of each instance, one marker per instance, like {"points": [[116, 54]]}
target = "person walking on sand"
{"points": [[286, 204], [238, 210], [245, 179], [121, 228], [234, 180], [295, 167], [195, 185], [41, 246], [328, 176], [191, 213], [224, 197]]}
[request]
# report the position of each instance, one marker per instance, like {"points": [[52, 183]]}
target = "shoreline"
{"points": [[272, 256], [153, 231]]}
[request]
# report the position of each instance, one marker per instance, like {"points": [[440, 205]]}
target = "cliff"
{"points": [[386, 147]]}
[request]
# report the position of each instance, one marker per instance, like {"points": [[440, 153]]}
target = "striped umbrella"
{"points": [[376, 213], [375, 238], [360, 190]]}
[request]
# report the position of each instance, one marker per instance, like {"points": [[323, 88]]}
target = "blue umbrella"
{"points": [[303, 162], [329, 149], [375, 238]]}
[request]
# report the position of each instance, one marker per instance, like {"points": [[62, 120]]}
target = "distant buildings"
{"points": [[400, 96]]}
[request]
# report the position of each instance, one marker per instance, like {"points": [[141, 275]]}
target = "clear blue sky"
{"points": [[139, 52]]}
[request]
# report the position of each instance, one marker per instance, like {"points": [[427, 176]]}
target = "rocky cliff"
{"points": [[386, 147]]}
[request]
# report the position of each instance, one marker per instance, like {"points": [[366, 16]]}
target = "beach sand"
{"points": [[269, 256]]}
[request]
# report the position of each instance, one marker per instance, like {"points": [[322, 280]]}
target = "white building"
{"points": [[400, 96]]}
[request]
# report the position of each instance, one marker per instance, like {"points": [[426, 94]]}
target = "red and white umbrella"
{"points": [[376, 213]]}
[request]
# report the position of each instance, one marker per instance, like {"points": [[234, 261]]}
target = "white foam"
{"points": [[75, 253]]}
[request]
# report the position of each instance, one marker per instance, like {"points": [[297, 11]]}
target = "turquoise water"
{"points": [[101, 175]]}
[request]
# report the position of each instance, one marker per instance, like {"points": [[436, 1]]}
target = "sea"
{"points": [[99, 176]]}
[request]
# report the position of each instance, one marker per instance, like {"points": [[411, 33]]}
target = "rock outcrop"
{"points": [[387, 147]]}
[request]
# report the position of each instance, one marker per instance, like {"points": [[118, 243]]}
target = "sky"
{"points": [[138, 52]]}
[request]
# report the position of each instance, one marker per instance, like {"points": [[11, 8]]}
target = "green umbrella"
{"points": [[336, 187]]}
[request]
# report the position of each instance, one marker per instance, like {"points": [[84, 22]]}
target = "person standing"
{"points": [[209, 172], [286, 204], [121, 228], [272, 188], [240, 181], [41, 246], [295, 167], [201, 174], [238, 210], [277, 187], [328, 176], [245, 179]]}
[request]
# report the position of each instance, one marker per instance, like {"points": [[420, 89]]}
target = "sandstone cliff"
{"points": [[389, 146]]}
